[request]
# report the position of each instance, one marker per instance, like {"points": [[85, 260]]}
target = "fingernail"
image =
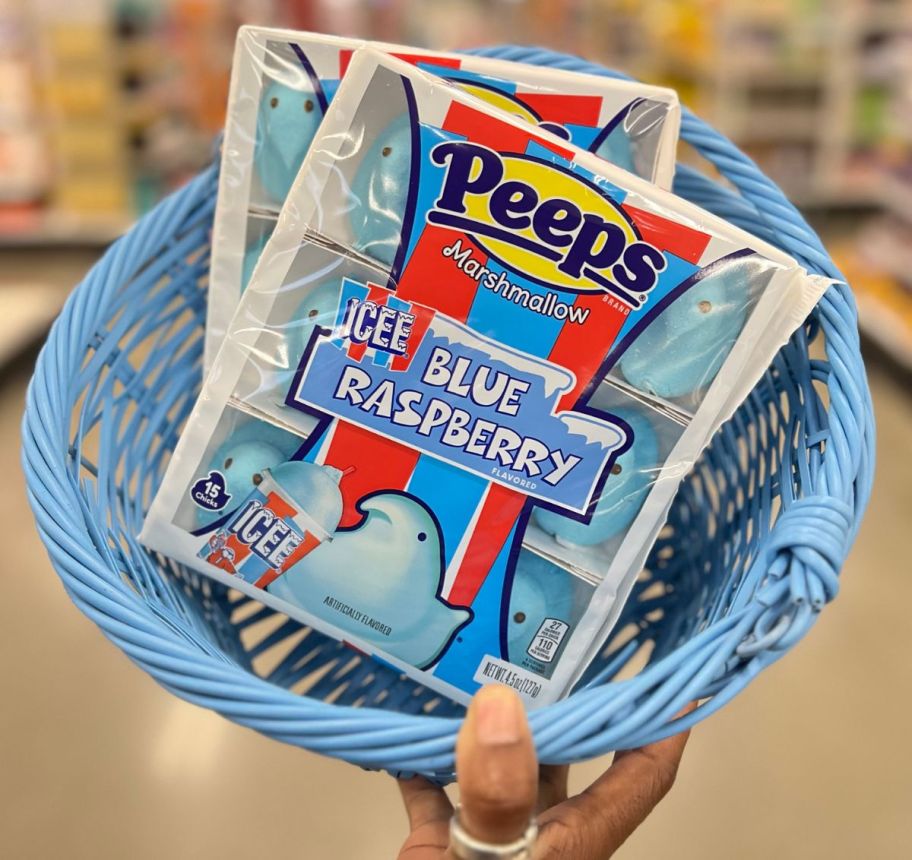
{"points": [[498, 716]]}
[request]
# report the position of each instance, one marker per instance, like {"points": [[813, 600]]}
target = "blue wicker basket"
{"points": [[751, 554]]}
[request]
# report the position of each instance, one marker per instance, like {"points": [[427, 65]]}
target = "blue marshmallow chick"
{"points": [[242, 464], [251, 257], [381, 188], [318, 308], [540, 590], [623, 494], [287, 121], [383, 576], [681, 351], [252, 447]]}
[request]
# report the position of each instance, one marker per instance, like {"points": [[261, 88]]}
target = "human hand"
{"points": [[502, 786]]}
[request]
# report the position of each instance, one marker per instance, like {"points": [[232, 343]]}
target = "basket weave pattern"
{"points": [[751, 553]]}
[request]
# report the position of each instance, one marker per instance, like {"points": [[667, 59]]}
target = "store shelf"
{"points": [[63, 231], [883, 18], [883, 325], [897, 197], [26, 311], [854, 195], [884, 250], [884, 300], [779, 125]]}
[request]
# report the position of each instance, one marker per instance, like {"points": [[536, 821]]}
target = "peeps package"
{"points": [[422, 434], [283, 81]]}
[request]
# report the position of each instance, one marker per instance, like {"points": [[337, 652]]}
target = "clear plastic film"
{"points": [[283, 82], [433, 430]]}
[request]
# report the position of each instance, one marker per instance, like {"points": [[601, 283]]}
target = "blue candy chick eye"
{"points": [[681, 351], [623, 494], [318, 308], [286, 124], [380, 188]]}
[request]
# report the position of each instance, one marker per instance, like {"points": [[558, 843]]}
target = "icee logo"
{"points": [[268, 535], [543, 222], [377, 325]]}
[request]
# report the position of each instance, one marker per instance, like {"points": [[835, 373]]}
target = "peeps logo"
{"points": [[543, 222], [269, 536], [210, 492], [466, 399]]}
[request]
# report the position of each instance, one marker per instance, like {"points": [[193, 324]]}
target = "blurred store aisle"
{"points": [[811, 762]]}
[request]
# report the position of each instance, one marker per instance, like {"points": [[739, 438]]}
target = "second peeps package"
{"points": [[283, 82], [460, 393]]}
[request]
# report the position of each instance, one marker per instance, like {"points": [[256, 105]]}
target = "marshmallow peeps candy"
{"points": [[254, 429], [682, 350], [380, 580], [249, 449], [381, 186], [625, 489], [241, 464], [315, 489], [251, 255], [540, 590], [286, 123], [317, 309]]}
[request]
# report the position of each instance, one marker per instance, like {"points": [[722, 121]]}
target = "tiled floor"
{"points": [[96, 761]]}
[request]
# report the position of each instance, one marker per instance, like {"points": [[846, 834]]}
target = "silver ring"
{"points": [[467, 847]]}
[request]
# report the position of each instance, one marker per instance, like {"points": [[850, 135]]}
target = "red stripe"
{"points": [[557, 107], [445, 62], [309, 543], [356, 351], [582, 348], [241, 550], [436, 281], [377, 294], [498, 516], [423, 317], [279, 506], [683, 242], [379, 464], [481, 127], [345, 56], [556, 148]]}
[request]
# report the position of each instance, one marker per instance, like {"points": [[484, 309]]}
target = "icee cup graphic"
{"points": [[294, 508]]}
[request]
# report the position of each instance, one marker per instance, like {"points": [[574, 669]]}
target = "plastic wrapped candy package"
{"points": [[283, 82], [482, 480], [259, 229]]}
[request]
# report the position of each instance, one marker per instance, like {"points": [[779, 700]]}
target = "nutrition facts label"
{"points": [[547, 640]]}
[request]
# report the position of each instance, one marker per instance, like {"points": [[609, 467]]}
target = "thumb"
{"points": [[496, 767]]}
